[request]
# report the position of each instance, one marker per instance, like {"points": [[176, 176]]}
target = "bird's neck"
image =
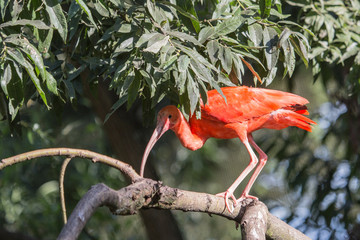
{"points": [[187, 138]]}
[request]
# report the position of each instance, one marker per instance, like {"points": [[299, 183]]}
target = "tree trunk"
{"points": [[120, 131]]}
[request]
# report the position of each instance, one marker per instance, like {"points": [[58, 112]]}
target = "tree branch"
{"points": [[125, 168], [146, 193]]}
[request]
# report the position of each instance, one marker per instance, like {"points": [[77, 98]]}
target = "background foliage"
{"points": [[153, 52]]}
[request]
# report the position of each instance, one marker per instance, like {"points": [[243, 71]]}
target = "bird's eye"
{"points": [[170, 116]]}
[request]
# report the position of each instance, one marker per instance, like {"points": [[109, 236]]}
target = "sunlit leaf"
{"points": [[51, 83], [212, 48], [193, 93], [87, 11], [265, 6], [229, 25], [156, 46], [285, 34], [57, 17], [270, 38], [255, 33], [206, 33], [19, 58], [184, 37], [21, 22]]}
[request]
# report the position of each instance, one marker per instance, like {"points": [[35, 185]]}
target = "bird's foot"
{"points": [[226, 195], [244, 196]]}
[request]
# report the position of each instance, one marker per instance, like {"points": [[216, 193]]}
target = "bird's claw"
{"points": [[226, 195]]}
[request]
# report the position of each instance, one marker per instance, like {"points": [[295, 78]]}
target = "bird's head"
{"points": [[167, 118]]}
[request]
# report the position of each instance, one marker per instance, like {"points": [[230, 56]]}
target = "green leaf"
{"points": [[226, 59], [126, 45], [3, 7], [51, 83], [193, 93], [213, 49], [191, 22], [5, 79], [109, 32], [180, 80], [57, 17], [222, 8], [270, 77], [285, 34], [33, 54], [15, 91], [87, 11], [70, 90], [73, 18], [238, 67], [183, 63], [270, 38], [195, 56], [298, 25], [203, 92], [229, 25], [156, 46], [180, 10], [101, 8], [19, 58], [222, 78], [289, 55], [149, 81], [300, 50], [255, 33], [265, 7], [184, 36], [133, 91], [278, 14], [166, 66], [44, 45], [352, 50], [200, 71], [146, 37], [116, 106], [206, 33], [22, 22]]}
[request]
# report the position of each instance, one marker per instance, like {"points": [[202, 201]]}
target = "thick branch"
{"points": [[125, 168], [147, 193]]}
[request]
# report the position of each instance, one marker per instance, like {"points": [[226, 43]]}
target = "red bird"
{"points": [[244, 111]]}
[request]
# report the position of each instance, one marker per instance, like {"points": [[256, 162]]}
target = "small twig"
{"points": [[61, 186], [125, 168]]}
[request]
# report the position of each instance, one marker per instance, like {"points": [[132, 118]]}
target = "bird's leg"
{"points": [[230, 191], [262, 161]]}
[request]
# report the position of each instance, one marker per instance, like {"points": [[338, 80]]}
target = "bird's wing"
{"points": [[244, 103]]}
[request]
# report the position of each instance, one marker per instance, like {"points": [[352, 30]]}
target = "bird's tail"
{"points": [[300, 121]]}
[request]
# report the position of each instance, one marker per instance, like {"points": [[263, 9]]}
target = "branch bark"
{"points": [[255, 220]]}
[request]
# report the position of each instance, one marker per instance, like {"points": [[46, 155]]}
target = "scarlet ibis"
{"points": [[245, 110]]}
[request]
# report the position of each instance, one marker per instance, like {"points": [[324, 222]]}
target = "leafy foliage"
{"points": [[147, 49]]}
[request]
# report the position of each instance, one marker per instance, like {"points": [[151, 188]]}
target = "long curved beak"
{"points": [[161, 127]]}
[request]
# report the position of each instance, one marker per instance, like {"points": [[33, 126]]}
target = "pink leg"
{"points": [[230, 191], [263, 158]]}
